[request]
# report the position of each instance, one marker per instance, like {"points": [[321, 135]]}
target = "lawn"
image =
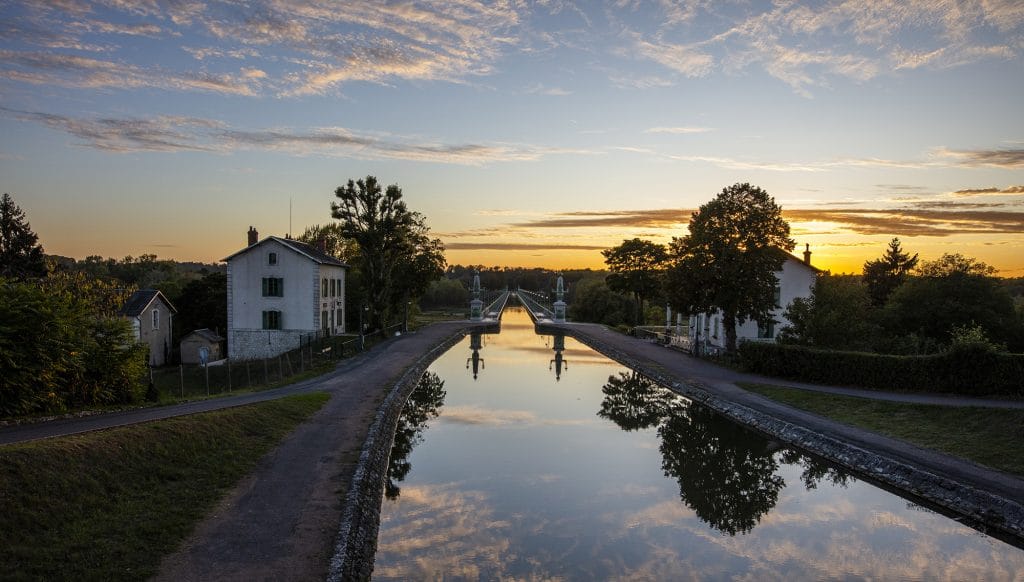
{"points": [[989, 436], [110, 504]]}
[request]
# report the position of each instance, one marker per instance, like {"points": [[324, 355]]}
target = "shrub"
{"points": [[970, 369]]}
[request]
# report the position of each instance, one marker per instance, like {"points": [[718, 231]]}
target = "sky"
{"points": [[528, 133]]}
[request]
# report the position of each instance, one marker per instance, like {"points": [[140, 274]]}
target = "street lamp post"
{"points": [[405, 325]]}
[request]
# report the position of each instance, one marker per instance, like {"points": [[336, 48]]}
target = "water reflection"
{"points": [[518, 478], [475, 344], [559, 361], [424, 404], [727, 474]]}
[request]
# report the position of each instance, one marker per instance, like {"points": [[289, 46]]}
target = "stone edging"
{"points": [[988, 511], [356, 543]]}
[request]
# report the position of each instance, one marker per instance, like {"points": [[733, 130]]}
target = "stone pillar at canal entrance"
{"points": [[476, 306], [559, 305]]}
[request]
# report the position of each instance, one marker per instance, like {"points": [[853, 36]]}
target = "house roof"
{"points": [[205, 333], [309, 251], [141, 299], [801, 261]]}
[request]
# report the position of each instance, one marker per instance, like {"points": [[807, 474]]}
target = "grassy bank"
{"points": [[109, 505], [988, 436]]}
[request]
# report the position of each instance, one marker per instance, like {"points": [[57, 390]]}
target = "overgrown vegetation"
{"points": [[988, 436], [109, 505]]}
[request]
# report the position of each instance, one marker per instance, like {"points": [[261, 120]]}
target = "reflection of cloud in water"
{"points": [[877, 545], [476, 416], [438, 531]]}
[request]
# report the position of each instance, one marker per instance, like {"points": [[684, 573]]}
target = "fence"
{"points": [[315, 351]]}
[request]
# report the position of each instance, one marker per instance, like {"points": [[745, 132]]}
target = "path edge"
{"points": [[356, 542]]}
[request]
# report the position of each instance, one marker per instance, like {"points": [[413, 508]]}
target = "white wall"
{"points": [[298, 306], [795, 280]]}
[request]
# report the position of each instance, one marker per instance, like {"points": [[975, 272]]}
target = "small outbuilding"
{"points": [[194, 344]]}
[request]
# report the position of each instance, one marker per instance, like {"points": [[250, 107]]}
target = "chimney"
{"points": [[253, 236], [321, 245], [807, 254]]}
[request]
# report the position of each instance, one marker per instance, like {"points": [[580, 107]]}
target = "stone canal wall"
{"points": [[356, 543], [990, 513]]}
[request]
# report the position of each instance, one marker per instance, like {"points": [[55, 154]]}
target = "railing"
{"points": [[498, 305], [533, 304]]}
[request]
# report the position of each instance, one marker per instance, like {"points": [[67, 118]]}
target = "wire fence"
{"points": [[316, 352]]}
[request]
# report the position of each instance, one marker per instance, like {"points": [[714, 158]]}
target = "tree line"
{"points": [[738, 241]]}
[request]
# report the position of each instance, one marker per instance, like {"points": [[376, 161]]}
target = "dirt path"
{"points": [[280, 522]]}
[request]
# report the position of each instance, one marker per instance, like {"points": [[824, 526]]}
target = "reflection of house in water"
{"points": [[559, 361], [475, 344]]}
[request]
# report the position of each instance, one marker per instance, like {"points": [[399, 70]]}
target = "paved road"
{"points": [[721, 382]]}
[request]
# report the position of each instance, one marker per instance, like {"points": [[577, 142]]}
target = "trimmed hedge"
{"points": [[972, 371]]}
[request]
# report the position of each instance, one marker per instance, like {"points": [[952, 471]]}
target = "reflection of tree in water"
{"points": [[635, 402], [814, 470], [424, 404], [726, 474]]}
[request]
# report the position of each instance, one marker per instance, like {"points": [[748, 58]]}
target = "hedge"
{"points": [[966, 371]]}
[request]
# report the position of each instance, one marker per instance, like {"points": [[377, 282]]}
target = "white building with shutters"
{"points": [[280, 292], [795, 279]]}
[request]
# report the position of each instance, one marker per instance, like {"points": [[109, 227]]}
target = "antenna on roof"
{"points": [[289, 217]]}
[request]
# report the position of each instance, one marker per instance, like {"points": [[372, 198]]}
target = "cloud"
{"points": [[169, 133], [500, 246], [684, 59], [540, 89], [89, 73], [658, 218], [475, 415], [999, 158], [984, 191], [678, 130]]}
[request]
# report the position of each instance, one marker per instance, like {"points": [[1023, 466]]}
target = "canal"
{"points": [[524, 456]]}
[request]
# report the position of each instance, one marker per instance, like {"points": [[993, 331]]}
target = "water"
{"points": [[562, 464]]}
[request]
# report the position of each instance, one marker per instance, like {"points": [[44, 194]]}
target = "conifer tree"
{"points": [[21, 257], [885, 275]]}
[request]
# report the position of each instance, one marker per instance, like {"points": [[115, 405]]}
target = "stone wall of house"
{"points": [[253, 344]]}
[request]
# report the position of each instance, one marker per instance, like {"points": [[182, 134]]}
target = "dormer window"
{"points": [[271, 258]]}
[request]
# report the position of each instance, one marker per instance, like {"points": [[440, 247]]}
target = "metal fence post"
{"points": [[181, 378], [229, 374]]}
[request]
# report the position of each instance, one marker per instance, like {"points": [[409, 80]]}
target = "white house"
{"points": [[796, 279], [279, 292]]}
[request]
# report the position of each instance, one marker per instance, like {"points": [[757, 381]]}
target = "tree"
{"points": [[593, 301], [203, 303], [885, 275], [729, 258], [636, 267], [424, 405], [21, 257], [953, 291], [391, 240], [838, 315], [333, 240]]}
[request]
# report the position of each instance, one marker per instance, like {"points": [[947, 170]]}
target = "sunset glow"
{"points": [[529, 134]]}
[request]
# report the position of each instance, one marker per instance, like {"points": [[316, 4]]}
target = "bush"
{"points": [[970, 369]]}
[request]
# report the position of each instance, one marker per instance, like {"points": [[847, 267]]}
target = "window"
{"points": [[323, 287], [323, 320], [338, 281], [334, 288], [338, 318], [332, 320], [778, 296], [272, 258], [272, 320], [273, 287], [156, 319], [766, 330]]}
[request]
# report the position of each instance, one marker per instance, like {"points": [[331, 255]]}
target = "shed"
{"points": [[193, 343]]}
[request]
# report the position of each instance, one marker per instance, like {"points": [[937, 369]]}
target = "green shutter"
{"points": [[265, 316], [264, 286]]}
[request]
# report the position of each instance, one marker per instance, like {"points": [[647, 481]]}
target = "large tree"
{"points": [[837, 315], [21, 257], [396, 259], [729, 258], [636, 267], [885, 275]]}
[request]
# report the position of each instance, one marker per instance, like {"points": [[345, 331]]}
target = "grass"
{"points": [[109, 505], [988, 436]]}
